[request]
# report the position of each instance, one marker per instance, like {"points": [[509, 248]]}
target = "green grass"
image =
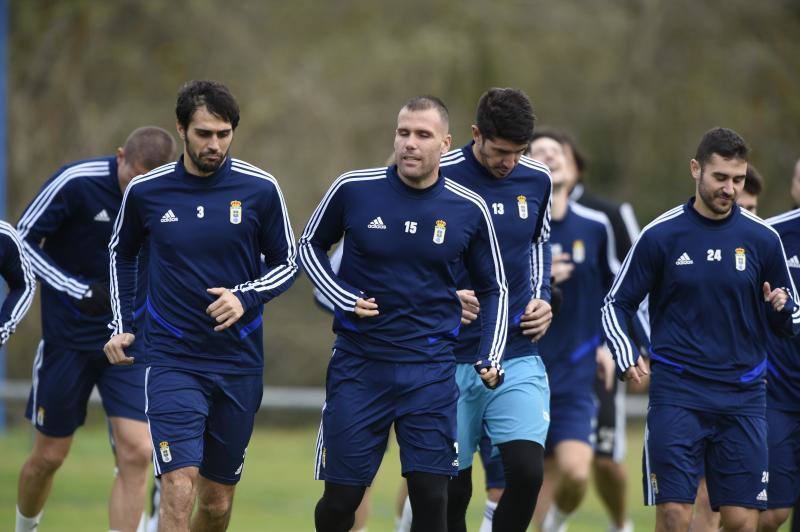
{"points": [[277, 493]]}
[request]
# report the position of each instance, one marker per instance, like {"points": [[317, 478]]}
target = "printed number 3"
{"points": [[201, 211]]}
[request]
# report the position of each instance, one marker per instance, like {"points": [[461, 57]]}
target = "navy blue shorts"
{"points": [[201, 419], [364, 397], [681, 442], [784, 458], [572, 417], [492, 464], [63, 380]]}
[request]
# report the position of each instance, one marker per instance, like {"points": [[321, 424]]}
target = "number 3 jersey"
{"points": [[709, 321], [201, 232], [404, 247]]}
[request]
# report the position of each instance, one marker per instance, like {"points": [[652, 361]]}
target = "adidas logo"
{"points": [[794, 262], [684, 260], [762, 496], [169, 216], [377, 223], [103, 216]]}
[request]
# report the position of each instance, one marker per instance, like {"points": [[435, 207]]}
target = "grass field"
{"points": [[277, 493]]}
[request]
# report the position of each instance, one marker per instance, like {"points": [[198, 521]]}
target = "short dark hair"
{"points": [[506, 114], [215, 96], [149, 147], [724, 142], [425, 102], [753, 182], [564, 138]]}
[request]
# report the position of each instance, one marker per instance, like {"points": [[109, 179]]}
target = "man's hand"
{"points": [[606, 369], [637, 372], [95, 302], [536, 319], [777, 298], [470, 306], [115, 349], [490, 377], [226, 310], [561, 267], [366, 308]]}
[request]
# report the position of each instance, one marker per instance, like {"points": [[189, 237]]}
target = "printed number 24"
{"points": [[714, 255]]}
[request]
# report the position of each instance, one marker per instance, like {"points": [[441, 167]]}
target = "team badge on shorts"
{"points": [[40, 416], [654, 483], [522, 206], [438, 232], [741, 259], [578, 251], [166, 456], [236, 212]]}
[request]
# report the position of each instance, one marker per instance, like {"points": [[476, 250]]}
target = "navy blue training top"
{"points": [[520, 208], [783, 354], [18, 275], [201, 232], [404, 247], [73, 213], [569, 346], [709, 321]]}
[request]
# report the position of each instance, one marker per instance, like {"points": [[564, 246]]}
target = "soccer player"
{"points": [[718, 285], [206, 220], [570, 347], [65, 230], [783, 398], [515, 415], [610, 477], [406, 230], [704, 518], [18, 275]]}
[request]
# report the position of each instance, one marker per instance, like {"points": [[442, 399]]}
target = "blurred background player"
{"points": [[570, 347], [709, 267], [396, 316], [206, 220], [704, 518], [66, 229], [18, 274], [783, 398], [516, 415]]}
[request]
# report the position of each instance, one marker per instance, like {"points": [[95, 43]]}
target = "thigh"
{"points": [[177, 406], [674, 444], [472, 399], [520, 408], [122, 390], [234, 403], [737, 463], [572, 417], [426, 418], [62, 383], [356, 418]]}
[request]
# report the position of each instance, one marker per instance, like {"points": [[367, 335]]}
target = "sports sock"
{"points": [[488, 515], [627, 527], [403, 523], [27, 524], [555, 520]]}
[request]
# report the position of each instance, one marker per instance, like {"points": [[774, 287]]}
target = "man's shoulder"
{"points": [[256, 176], [81, 173], [610, 207], [787, 222], [532, 168], [359, 179], [150, 181], [591, 217], [665, 223]]}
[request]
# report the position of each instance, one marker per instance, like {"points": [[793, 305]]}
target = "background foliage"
{"points": [[319, 83]]}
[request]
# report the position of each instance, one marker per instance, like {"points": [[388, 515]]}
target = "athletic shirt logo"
{"points": [[578, 251], [438, 232], [236, 212], [741, 259], [522, 207]]}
